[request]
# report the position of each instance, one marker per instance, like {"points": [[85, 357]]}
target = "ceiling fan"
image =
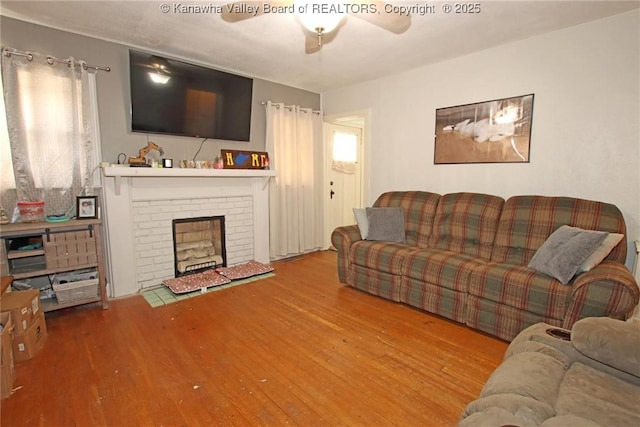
{"points": [[321, 20]]}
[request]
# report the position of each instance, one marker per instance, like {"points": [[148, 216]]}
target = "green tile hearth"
{"points": [[162, 295]]}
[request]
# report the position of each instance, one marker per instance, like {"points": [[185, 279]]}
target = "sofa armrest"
{"points": [[608, 290], [609, 341], [535, 338], [342, 238]]}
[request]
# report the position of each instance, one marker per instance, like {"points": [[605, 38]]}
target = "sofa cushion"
{"points": [[507, 409], [383, 256], [443, 268], [494, 417], [609, 341], [386, 224], [419, 208], [562, 254], [531, 346], [533, 375], [466, 223], [521, 288], [594, 395], [527, 221]]}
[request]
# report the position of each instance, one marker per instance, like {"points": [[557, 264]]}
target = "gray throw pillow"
{"points": [[562, 254], [386, 224]]}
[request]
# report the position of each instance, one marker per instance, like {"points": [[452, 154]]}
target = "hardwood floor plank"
{"points": [[298, 348]]}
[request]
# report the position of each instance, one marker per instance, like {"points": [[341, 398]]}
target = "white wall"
{"points": [[586, 118]]}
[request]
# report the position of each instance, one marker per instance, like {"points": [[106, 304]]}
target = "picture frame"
{"points": [[496, 131], [86, 207]]}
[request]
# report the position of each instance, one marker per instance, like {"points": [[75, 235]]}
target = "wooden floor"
{"points": [[295, 349]]}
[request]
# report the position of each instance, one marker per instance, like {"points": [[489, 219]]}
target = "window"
{"points": [[345, 147], [48, 123], [50, 116]]}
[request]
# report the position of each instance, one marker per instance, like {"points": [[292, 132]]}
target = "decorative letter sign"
{"points": [[237, 159]]}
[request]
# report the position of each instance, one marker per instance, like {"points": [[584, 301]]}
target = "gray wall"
{"points": [[113, 93]]}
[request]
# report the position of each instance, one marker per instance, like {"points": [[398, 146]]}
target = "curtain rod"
{"points": [[290, 107], [51, 59]]}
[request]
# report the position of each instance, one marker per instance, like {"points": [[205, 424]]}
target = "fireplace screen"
{"points": [[198, 244]]}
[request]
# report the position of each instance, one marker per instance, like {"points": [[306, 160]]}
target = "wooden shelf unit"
{"points": [[62, 247]]}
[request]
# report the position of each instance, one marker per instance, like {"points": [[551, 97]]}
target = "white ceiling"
{"points": [[271, 46]]}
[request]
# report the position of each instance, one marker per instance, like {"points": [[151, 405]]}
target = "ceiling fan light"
{"points": [[318, 20]]}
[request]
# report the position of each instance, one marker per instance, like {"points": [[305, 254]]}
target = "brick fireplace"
{"points": [[141, 205], [153, 232]]}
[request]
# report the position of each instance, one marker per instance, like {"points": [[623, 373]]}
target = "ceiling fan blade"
{"points": [[394, 22], [311, 44], [241, 10]]}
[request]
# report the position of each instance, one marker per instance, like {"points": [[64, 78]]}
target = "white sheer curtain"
{"points": [[49, 122], [294, 143]]}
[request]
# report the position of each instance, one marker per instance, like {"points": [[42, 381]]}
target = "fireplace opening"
{"points": [[198, 244]]}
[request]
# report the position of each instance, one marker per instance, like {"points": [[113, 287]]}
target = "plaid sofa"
{"points": [[466, 255]]}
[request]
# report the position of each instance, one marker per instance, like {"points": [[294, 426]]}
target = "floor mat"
{"points": [[162, 295]]}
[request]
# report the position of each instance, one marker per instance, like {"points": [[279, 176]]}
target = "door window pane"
{"points": [[345, 147]]}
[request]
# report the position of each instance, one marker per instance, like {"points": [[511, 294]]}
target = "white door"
{"points": [[343, 187]]}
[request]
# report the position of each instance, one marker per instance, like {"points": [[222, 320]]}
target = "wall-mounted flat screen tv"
{"points": [[177, 98]]}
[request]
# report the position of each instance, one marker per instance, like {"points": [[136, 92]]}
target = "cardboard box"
{"points": [[6, 338], [7, 371], [29, 343], [5, 283], [24, 307]]}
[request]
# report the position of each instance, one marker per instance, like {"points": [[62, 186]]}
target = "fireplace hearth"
{"points": [[198, 244]]}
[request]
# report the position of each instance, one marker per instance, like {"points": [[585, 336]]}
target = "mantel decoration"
{"points": [[86, 207], [497, 131], [238, 159]]}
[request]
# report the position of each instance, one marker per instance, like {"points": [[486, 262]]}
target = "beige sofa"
{"points": [[592, 380], [468, 257]]}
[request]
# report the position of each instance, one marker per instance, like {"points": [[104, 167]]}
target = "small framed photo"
{"points": [[86, 207]]}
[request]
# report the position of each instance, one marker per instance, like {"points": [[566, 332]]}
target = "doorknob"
{"points": [[331, 193]]}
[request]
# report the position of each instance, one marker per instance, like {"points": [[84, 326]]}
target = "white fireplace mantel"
{"points": [[126, 187], [117, 172]]}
